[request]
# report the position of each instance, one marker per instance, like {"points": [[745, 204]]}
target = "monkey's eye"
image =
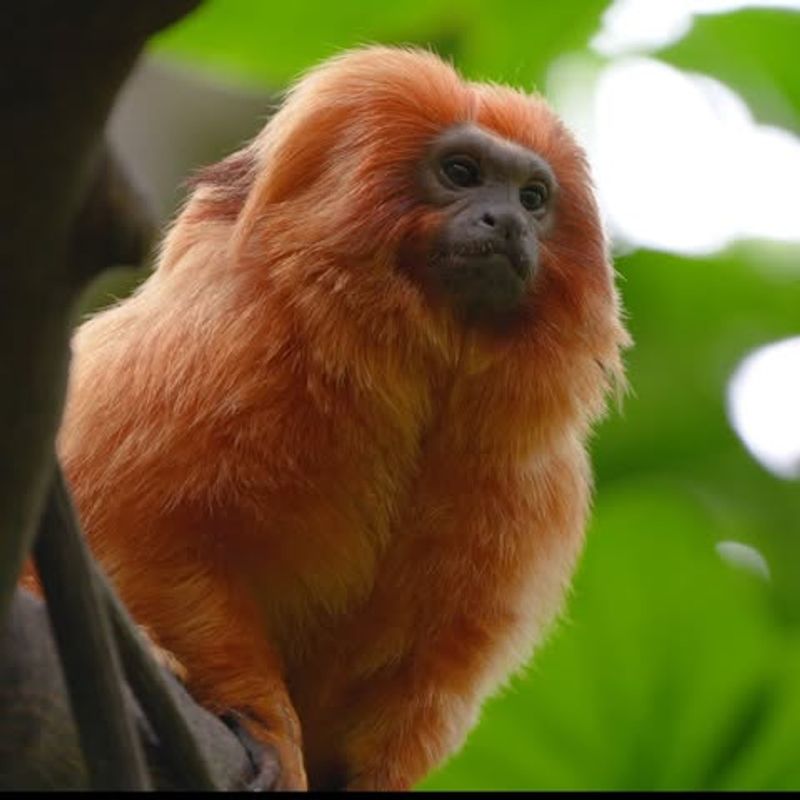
{"points": [[462, 171], [534, 197]]}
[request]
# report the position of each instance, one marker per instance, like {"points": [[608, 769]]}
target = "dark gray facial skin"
{"points": [[499, 198]]}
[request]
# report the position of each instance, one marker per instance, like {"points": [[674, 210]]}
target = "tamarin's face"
{"points": [[497, 197]]}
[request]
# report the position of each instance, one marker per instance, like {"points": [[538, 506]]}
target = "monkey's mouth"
{"points": [[482, 279], [477, 250]]}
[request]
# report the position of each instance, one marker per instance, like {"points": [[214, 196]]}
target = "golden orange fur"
{"points": [[331, 500]]}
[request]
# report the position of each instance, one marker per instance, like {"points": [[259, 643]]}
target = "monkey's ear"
{"points": [[222, 188]]}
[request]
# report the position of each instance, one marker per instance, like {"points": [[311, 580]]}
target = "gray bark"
{"points": [[39, 744]]}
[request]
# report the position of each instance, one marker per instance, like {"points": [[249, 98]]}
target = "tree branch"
{"points": [[61, 66], [39, 744], [108, 737]]}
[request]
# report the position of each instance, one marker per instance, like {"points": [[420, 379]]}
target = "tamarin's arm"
{"points": [[211, 628], [482, 587]]}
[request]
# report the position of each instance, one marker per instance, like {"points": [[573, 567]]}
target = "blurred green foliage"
{"points": [[273, 43], [672, 669], [755, 52]]}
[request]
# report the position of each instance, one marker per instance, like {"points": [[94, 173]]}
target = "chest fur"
{"points": [[378, 470]]}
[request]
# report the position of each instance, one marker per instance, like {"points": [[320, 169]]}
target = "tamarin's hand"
{"points": [[332, 452]]}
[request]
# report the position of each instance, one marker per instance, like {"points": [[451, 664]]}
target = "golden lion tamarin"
{"points": [[332, 451]]}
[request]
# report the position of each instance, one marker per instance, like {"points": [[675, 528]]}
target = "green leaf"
{"points": [[692, 322], [756, 52], [669, 672], [270, 43]]}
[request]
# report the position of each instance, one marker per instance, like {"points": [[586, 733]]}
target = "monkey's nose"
{"points": [[504, 224]]}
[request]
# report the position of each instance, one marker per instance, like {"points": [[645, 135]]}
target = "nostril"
{"points": [[488, 220]]}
